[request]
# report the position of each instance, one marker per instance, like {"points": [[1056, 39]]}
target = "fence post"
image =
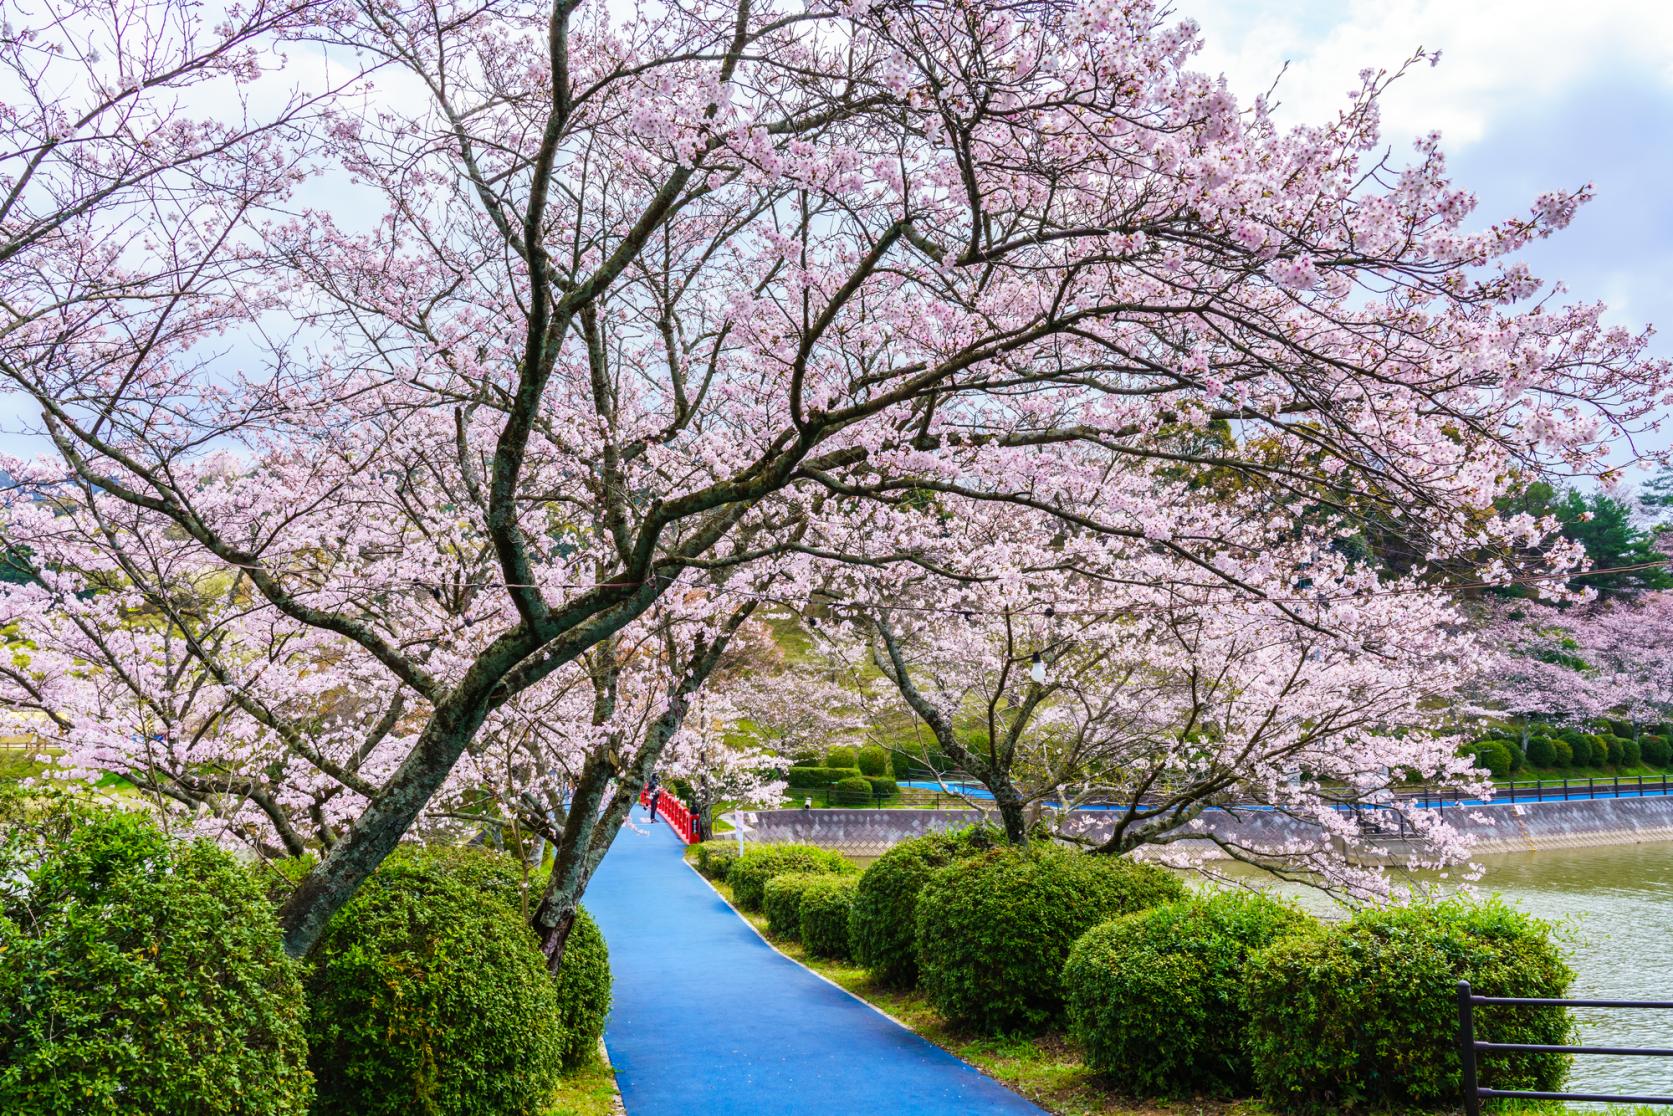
{"points": [[1466, 1050]]}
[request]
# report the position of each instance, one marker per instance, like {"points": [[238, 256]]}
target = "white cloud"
{"points": [[1498, 56]]}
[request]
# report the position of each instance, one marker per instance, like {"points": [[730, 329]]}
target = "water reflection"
{"points": [[1615, 905]]}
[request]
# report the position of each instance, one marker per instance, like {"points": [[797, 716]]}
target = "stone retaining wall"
{"points": [[1518, 827]]}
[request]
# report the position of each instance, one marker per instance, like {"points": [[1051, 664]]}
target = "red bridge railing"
{"points": [[670, 809]]}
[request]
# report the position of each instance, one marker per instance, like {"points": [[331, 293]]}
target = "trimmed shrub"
{"points": [[810, 778], [583, 991], [1632, 753], [883, 787], [826, 903], [872, 760], [1517, 760], [1540, 751], [1562, 754], [1656, 751], [141, 974], [805, 761], [902, 765], [750, 872], [431, 995], [782, 900], [1156, 998], [714, 858], [884, 922], [852, 792], [841, 756], [1492, 756], [1364, 1014], [994, 931]]}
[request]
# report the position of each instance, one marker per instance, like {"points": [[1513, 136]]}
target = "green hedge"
{"points": [[873, 761], [430, 994], [852, 792], [1492, 756], [1156, 998], [1656, 750], [714, 858], [826, 904], [812, 778], [750, 872], [583, 992], [1541, 753], [841, 756], [883, 786], [993, 931], [782, 900], [1363, 1015], [140, 974], [884, 922]]}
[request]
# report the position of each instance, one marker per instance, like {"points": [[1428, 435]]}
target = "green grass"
{"points": [[589, 1090]]}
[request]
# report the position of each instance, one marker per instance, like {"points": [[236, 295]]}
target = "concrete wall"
{"points": [[1519, 827]]}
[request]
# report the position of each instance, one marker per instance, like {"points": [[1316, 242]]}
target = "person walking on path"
{"points": [[656, 794]]}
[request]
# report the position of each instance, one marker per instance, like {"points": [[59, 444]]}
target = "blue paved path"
{"points": [[709, 1019]]}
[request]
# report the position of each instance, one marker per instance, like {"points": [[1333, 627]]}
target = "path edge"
{"points": [[770, 944]]}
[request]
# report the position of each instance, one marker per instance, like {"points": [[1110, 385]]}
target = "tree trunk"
{"points": [[378, 829], [1011, 813]]}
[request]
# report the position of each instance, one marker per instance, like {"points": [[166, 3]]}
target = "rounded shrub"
{"points": [[826, 903], [852, 792], [811, 778], [429, 994], [1493, 757], [883, 787], [750, 872], [841, 756], [583, 992], [1562, 753], [1656, 751], [782, 900], [139, 973], [1156, 998], [883, 925], [994, 931], [1364, 1015], [872, 760], [902, 765], [714, 858], [1541, 753]]}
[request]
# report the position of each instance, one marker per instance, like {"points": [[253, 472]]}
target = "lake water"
{"points": [[1615, 905]]}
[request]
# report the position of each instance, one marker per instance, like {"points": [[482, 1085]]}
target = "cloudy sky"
{"points": [[1529, 95]]}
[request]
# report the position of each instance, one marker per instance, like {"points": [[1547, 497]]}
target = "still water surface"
{"points": [[1615, 906]]}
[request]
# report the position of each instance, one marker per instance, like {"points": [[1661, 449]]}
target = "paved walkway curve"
{"points": [[710, 1020]]}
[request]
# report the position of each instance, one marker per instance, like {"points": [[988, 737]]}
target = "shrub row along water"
{"points": [[141, 973], [1169, 993]]}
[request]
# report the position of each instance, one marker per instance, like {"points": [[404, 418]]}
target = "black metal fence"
{"points": [[1470, 1047], [1552, 790]]}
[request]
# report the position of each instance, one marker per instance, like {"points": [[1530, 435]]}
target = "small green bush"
{"points": [[994, 931], [884, 920], [827, 902], [714, 858], [1517, 760], [750, 872], [430, 994], [1363, 1015], [812, 778], [883, 787], [852, 792], [1562, 753], [1492, 756], [1632, 753], [1541, 752], [1656, 750], [872, 760], [583, 991], [139, 973], [782, 900], [1156, 998], [902, 764], [841, 756]]}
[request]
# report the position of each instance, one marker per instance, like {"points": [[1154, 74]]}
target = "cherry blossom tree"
{"points": [[551, 315]]}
